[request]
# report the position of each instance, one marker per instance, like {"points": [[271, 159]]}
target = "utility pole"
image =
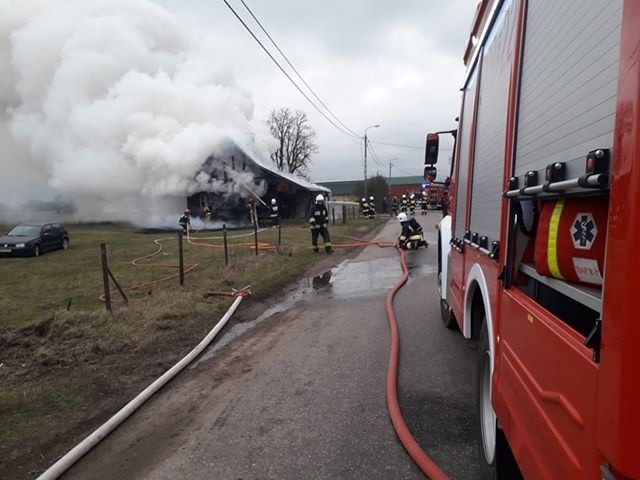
{"points": [[391, 165], [365, 158], [365, 163]]}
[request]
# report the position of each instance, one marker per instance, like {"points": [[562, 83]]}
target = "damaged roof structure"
{"points": [[237, 175]]}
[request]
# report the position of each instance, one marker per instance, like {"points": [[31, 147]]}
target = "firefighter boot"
{"points": [[328, 249], [315, 249]]}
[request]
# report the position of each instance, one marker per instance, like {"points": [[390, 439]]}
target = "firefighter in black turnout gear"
{"points": [[274, 214], [185, 221], [404, 204], [394, 206], [411, 236], [319, 222]]}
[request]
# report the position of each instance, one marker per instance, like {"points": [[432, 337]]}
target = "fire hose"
{"points": [[417, 454], [77, 452]]}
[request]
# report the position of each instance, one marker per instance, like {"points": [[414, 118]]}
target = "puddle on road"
{"points": [[417, 267], [347, 280]]}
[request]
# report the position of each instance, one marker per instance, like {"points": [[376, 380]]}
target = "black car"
{"points": [[33, 239]]}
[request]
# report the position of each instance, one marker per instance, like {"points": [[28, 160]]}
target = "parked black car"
{"points": [[33, 239]]}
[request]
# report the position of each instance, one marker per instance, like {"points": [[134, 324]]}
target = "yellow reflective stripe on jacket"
{"points": [[552, 243]]}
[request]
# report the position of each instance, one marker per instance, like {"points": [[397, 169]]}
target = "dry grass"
{"points": [[66, 364]]}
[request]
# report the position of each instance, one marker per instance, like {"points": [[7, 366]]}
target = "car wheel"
{"points": [[496, 459], [36, 250], [65, 244], [448, 319]]}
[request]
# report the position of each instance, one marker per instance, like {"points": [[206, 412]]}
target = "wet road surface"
{"points": [[300, 391]]}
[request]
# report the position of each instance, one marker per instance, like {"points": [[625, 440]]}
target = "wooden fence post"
{"points": [[181, 257], [105, 276], [224, 237]]}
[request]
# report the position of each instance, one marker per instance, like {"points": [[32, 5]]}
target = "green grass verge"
{"points": [[66, 364]]}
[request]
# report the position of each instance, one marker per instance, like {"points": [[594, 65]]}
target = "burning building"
{"points": [[237, 175]]}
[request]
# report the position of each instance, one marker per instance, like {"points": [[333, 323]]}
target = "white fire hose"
{"points": [[77, 452]]}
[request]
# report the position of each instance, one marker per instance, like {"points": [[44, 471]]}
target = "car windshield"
{"points": [[25, 231]]}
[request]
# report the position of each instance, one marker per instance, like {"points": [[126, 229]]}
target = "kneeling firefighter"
{"points": [[319, 220], [411, 236]]}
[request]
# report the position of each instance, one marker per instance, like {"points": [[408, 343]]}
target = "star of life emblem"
{"points": [[584, 231]]}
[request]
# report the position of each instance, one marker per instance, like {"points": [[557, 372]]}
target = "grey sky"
{"points": [[397, 64]]}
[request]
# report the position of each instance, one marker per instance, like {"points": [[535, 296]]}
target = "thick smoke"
{"points": [[115, 105]]}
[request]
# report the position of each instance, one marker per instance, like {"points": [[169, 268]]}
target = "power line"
{"points": [[399, 145], [374, 155], [409, 146], [295, 70], [404, 171], [285, 73]]}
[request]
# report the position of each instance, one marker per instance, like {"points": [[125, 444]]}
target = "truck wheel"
{"points": [[448, 319], [496, 459]]}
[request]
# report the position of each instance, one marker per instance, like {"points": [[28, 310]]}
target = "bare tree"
{"points": [[296, 139]]}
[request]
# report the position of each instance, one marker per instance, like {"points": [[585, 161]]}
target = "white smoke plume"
{"points": [[115, 105]]}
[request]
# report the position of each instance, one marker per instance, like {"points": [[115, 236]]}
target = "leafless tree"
{"points": [[296, 141]]}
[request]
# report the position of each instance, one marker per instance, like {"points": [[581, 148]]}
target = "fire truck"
{"points": [[537, 258], [433, 194]]}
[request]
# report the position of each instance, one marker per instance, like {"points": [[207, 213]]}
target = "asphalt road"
{"points": [[300, 392]]}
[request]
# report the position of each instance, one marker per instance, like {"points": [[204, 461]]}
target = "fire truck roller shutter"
{"points": [[466, 123], [491, 125], [569, 82]]}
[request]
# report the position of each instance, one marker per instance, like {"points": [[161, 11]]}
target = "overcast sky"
{"points": [[397, 64], [115, 104]]}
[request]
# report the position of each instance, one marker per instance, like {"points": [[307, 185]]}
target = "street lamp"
{"points": [[365, 157]]}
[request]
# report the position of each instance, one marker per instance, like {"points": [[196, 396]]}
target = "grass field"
{"points": [[66, 364]]}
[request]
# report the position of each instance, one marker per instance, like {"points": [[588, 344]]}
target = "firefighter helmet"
{"points": [[364, 199], [404, 196], [319, 198], [402, 217], [371, 198], [273, 201], [187, 211]]}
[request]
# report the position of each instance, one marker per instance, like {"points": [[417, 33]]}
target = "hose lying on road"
{"points": [[419, 456], [77, 452]]}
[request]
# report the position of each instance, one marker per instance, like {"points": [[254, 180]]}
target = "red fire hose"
{"points": [[419, 456]]}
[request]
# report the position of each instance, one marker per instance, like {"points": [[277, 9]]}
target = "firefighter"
{"points": [[274, 214], [365, 207], [372, 208], [411, 236], [404, 204], [319, 222], [206, 213], [423, 203], [253, 212], [412, 205], [394, 206], [185, 221]]}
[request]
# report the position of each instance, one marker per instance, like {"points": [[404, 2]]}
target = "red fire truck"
{"points": [[538, 255], [432, 194]]}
